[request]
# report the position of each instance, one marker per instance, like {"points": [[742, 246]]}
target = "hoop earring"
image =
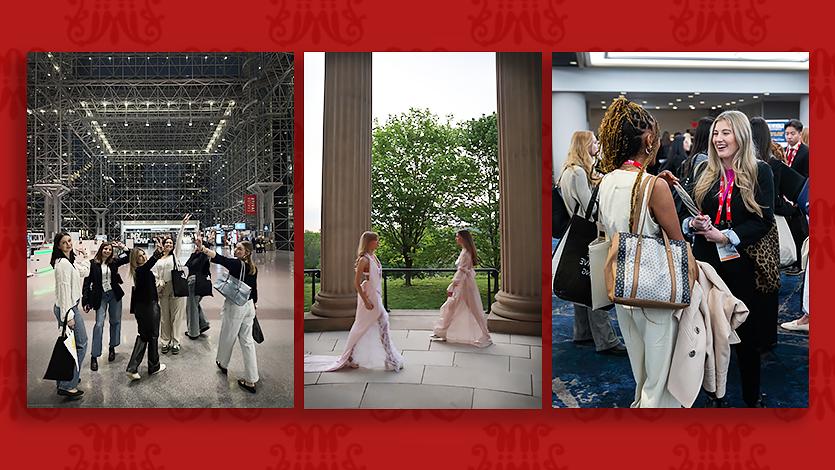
{"points": [[648, 150]]}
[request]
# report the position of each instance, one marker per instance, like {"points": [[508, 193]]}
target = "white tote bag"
{"points": [[788, 250], [598, 251]]}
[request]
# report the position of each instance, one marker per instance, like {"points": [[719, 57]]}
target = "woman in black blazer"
{"points": [[144, 304], [199, 286], [103, 293], [735, 194]]}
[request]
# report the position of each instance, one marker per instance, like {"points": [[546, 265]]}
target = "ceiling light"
{"points": [[766, 94], [669, 104], [740, 100], [658, 107], [755, 96], [678, 100], [701, 102], [675, 107], [689, 96]]}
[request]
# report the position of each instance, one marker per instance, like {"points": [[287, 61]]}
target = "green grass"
{"points": [[425, 294]]}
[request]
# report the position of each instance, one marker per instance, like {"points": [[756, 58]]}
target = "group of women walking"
{"points": [[369, 342], [95, 284], [736, 177]]}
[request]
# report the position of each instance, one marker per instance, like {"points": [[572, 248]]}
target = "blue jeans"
{"points": [[113, 309], [80, 344]]}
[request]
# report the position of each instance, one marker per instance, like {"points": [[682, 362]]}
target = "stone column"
{"points": [[518, 306], [346, 186]]}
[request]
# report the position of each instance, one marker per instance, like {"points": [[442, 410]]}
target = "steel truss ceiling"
{"points": [[153, 136]]}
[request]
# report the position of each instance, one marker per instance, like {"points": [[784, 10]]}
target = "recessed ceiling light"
{"points": [[741, 100], [718, 105], [713, 107], [573, 62], [689, 96], [602, 107], [696, 93], [766, 94], [755, 96], [675, 107], [670, 104], [733, 102], [623, 93], [701, 102], [644, 102], [602, 102], [678, 100], [727, 104], [658, 107]]}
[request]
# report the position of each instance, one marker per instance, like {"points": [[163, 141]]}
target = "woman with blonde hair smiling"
{"points": [[576, 182], [369, 341], [736, 234]]}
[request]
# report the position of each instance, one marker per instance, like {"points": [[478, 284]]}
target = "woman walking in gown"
{"points": [[462, 315], [369, 343]]}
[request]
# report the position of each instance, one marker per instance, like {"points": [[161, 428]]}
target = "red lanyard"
{"points": [[725, 200], [633, 163]]}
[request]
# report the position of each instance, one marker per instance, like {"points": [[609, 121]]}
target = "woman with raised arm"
{"points": [[369, 341], [236, 323], [144, 304], [69, 271], [462, 315], [102, 292], [172, 308]]}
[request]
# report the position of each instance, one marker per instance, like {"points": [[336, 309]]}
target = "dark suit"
{"points": [[800, 163], [144, 304], [798, 224]]}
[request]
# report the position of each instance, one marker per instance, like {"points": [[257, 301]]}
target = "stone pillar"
{"points": [[346, 186], [518, 306], [571, 115]]}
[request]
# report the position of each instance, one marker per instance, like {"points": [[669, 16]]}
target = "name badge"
{"points": [[727, 252]]}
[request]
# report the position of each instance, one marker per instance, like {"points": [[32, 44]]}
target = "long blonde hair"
{"points": [[362, 248], [804, 136], [134, 260], [578, 154], [744, 163], [250, 265]]}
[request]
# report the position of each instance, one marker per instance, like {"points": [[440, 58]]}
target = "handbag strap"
{"points": [[592, 202], [64, 328]]}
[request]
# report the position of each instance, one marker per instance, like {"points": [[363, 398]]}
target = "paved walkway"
{"points": [[507, 374]]}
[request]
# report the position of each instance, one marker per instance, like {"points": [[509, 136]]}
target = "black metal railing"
{"points": [[492, 281]]}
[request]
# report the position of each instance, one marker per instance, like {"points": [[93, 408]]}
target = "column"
{"points": [[346, 186], [100, 226], [52, 193], [518, 306], [570, 115], [804, 110], [265, 203]]}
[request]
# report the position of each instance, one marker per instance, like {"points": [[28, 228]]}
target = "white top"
{"points": [[574, 186], [615, 198], [105, 278], [68, 284], [162, 270]]}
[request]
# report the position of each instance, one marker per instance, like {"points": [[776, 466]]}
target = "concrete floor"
{"points": [[191, 379], [507, 374]]}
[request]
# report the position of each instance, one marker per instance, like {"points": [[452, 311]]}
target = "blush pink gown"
{"points": [[462, 315], [369, 343]]}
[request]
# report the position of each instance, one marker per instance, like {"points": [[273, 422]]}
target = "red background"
{"points": [[278, 439]]}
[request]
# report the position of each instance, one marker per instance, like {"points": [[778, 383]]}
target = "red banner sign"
{"points": [[249, 204]]}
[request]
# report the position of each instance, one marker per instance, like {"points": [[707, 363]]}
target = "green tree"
{"points": [[418, 170], [312, 249], [480, 141]]}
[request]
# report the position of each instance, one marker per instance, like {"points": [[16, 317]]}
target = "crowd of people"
{"points": [[721, 188], [165, 302]]}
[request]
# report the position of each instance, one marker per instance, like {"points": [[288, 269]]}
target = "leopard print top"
{"points": [[765, 254]]}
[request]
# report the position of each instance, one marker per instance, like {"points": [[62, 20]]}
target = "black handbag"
{"points": [[179, 284], [572, 280], [61, 364], [257, 334]]}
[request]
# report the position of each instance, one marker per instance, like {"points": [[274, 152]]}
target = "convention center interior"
{"points": [[128, 149], [681, 91]]}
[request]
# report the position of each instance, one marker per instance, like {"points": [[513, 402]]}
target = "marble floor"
{"points": [[507, 374], [191, 379]]}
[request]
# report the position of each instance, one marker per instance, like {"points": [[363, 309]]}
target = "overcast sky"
{"points": [[462, 84]]}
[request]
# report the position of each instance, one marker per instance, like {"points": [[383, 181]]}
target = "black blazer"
{"points": [[92, 290], [788, 183], [234, 267], [800, 163], [144, 292], [747, 225], [198, 265]]}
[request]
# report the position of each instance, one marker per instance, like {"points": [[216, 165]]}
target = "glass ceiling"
{"points": [[756, 60]]}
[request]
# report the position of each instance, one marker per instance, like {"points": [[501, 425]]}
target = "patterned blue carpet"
{"points": [[585, 379]]}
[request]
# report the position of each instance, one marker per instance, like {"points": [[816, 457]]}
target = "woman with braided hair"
{"points": [[629, 139]]}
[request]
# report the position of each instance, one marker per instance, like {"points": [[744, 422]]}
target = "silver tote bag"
{"points": [[234, 289]]}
